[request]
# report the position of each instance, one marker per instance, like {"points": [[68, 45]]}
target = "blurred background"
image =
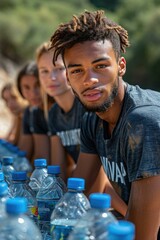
{"points": [[24, 24]]}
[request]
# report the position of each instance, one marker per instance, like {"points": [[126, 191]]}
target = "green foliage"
{"points": [[142, 21], [109, 5], [25, 24]]}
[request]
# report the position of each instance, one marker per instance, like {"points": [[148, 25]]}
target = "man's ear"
{"points": [[121, 66]]}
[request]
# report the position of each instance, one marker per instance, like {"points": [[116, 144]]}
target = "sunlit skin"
{"points": [[31, 90], [52, 77], [12, 102], [94, 72]]}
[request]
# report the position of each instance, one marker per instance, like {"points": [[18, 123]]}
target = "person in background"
{"points": [[16, 105], [122, 128], [64, 116], [29, 87]]}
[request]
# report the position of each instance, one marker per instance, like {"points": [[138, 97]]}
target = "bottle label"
{"points": [[45, 209], [60, 232], [34, 211]]}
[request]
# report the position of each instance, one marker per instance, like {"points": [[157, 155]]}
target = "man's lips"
{"points": [[92, 95]]}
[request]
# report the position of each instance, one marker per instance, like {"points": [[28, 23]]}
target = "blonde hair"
{"points": [[43, 48]]}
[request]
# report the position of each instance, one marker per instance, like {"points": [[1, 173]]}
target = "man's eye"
{"points": [[101, 66], [76, 71]]}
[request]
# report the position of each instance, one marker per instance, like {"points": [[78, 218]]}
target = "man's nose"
{"points": [[91, 77]]}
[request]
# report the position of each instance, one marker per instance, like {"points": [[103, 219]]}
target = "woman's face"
{"points": [[52, 77], [12, 101], [31, 90]]}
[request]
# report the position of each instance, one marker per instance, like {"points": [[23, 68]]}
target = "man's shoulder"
{"points": [[90, 119]]}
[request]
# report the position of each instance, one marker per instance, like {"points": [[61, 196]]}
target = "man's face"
{"points": [[92, 71]]}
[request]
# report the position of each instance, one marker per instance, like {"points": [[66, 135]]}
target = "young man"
{"points": [[122, 130]]}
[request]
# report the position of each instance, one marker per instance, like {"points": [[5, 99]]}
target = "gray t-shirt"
{"points": [[133, 150], [67, 126]]}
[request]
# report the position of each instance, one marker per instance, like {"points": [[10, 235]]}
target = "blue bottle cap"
{"points": [[53, 169], [19, 176], [14, 149], [1, 176], [76, 183], [16, 205], [21, 153], [7, 160], [40, 162], [123, 230], [3, 189], [100, 200]]}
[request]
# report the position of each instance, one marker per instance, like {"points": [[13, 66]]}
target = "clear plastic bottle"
{"points": [[94, 223], [20, 188], [72, 206], [7, 168], [1, 177], [3, 149], [50, 192], [123, 230], [38, 175], [3, 197], [21, 163], [17, 225]]}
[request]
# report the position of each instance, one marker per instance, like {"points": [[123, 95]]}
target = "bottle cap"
{"points": [[1, 176], [20, 176], [76, 183], [40, 162], [3, 188], [122, 230], [14, 149], [16, 205], [7, 160], [100, 200], [53, 169], [22, 153]]}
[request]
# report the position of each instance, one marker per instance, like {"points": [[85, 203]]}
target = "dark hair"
{"points": [[87, 27], [29, 69]]}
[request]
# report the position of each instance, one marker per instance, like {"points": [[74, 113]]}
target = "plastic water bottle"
{"points": [[123, 230], [3, 197], [1, 177], [50, 192], [94, 223], [21, 163], [20, 188], [38, 175], [3, 149], [72, 206], [7, 168], [17, 225]]}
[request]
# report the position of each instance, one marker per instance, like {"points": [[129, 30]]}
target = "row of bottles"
{"points": [[59, 212], [91, 223], [17, 157]]}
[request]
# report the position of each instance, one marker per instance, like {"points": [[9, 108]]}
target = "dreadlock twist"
{"points": [[87, 27]]}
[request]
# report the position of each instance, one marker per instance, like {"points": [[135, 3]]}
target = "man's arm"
{"points": [[58, 155], [144, 207], [89, 167], [41, 146], [26, 144]]}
